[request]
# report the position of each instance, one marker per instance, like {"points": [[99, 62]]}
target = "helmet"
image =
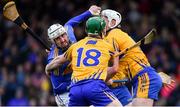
{"points": [[95, 25], [55, 30], [111, 14]]}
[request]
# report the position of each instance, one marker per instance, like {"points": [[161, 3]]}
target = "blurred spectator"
{"points": [[19, 99], [2, 91], [20, 75]]}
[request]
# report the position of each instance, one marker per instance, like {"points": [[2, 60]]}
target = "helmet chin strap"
{"points": [[113, 26]]}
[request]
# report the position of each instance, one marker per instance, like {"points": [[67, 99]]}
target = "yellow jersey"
{"points": [[89, 58], [130, 63]]}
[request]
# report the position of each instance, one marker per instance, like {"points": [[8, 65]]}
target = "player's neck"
{"points": [[95, 36]]}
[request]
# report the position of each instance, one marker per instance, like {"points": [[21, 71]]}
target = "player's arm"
{"points": [[93, 10], [59, 60], [113, 69], [56, 62], [115, 61], [78, 19], [50, 56]]}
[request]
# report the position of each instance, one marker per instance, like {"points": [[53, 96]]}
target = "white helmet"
{"points": [[111, 14], [55, 30]]}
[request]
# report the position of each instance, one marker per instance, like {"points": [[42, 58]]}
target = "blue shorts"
{"points": [[147, 84], [123, 94], [90, 92]]}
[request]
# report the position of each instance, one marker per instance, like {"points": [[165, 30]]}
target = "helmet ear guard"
{"points": [[95, 25], [111, 14]]}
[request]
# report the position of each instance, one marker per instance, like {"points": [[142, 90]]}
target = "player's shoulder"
{"points": [[76, 44], [118, 31], [73, 45], [104, 43], [51, 52], [53, 46], [80, 41]]}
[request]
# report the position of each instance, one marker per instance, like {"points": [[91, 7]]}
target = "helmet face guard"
{"points": [[111, 14], [95, 26], [55, 30]]}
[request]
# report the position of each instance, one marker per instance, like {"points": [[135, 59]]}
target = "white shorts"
{"points": [[62, 99]]}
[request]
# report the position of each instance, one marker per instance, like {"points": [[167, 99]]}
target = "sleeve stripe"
{"points": [[115, 45]]}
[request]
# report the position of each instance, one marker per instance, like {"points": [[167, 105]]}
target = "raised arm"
{"points": [[93, 10]]}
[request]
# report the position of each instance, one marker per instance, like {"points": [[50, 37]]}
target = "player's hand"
{"points": [[109, 82], [166, 79], [95, 10], [47, 51], [48, 73]]}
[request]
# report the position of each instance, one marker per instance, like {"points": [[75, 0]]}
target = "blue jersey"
{"points": [[61, 77]]}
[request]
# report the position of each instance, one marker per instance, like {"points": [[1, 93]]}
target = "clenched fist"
{"points": [[95, 10]]}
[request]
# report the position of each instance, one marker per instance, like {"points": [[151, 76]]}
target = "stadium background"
{"points": [[22, 60]]}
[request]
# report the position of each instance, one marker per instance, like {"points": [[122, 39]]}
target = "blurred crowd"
{"points": [[22, 59]]}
